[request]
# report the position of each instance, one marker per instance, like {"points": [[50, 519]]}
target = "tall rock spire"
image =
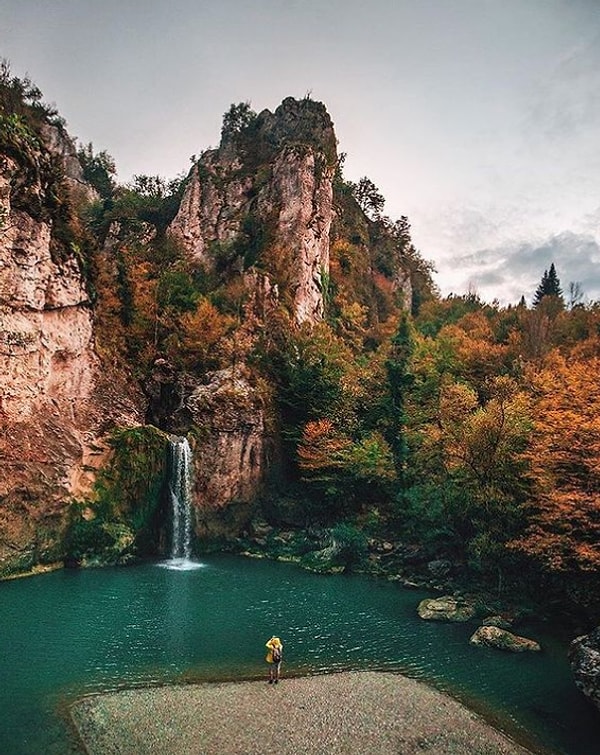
{"points": [[266, 192]]}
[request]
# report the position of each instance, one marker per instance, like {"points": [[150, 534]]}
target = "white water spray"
{"points": [[180, 494]]}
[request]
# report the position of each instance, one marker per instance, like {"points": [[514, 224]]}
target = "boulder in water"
{"points": [[446, 608], [495, 637], [584, 656]]}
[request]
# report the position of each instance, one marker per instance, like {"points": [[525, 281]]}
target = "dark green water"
{"points": [[71, 633]]}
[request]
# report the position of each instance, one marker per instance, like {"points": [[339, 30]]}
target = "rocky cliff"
{"points": [[268, 187], [166, 309], [230, 420], [55, 405]]}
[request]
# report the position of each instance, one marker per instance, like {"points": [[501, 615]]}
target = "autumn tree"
{"points": [[484, 442], [477, 355], [322, 448], [564, 529], [351, 474], [468, 471], [200, 332]]}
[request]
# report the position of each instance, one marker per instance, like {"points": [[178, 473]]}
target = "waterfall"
{"points": [[180, 495]]}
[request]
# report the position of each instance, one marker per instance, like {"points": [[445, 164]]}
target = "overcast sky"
{"points": [[479, 119]]}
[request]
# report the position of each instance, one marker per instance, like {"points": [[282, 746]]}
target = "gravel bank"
{"points": [[358, 712]]}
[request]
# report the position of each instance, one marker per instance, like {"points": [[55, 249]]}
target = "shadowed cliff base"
{"points": [[340, 713]]}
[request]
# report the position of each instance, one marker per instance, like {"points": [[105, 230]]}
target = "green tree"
{"points": [[400, 381], [151, 199], [369, 197], [309, 369], [236, 119], [99, 170], [549, 286]]}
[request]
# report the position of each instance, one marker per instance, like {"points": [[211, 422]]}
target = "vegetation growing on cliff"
{"points": [[28, 126], [123, 516]]}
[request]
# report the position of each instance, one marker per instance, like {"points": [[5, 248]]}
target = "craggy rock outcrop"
{"points": [[229, 421], [495, 637], [273, 190], [446, 608], [232, 451], [403, 284], [62, 147], [584, 657], [54, 399]]}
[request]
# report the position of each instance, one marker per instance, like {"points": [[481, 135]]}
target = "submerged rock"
{"points": [[446, 608], [584, 656], [495, 637]]}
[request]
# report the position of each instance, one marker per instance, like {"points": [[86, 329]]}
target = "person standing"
{"points": [[273, 658]]}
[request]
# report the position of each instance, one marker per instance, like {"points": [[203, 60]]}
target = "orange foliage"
{"points": [[201, 331], [472, 341], [112, 332], [565, 464], [322, 447]]}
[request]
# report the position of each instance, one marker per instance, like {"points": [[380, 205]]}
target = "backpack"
{"points": [[276, 655]]}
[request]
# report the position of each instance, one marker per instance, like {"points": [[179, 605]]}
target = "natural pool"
{"points": [[71, 633]]}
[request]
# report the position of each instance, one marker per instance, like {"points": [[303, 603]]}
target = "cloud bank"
{"points": [[509, 271]]}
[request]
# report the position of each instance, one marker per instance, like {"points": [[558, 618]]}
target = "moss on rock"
{"points": [[122, 518]]}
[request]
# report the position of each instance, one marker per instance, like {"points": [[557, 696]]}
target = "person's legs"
{"points": [[276, 670]]}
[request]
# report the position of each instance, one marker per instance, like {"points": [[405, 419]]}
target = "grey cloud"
{"points": [[509, 271]]}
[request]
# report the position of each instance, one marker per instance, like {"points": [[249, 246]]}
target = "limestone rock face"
{"points": [[496, 637], [302, 202], [233, 441], [231, 459], [282, 182], [584, 657], [403, 284], [446, 608], [212, 207], [52, 403], [62, 146]]}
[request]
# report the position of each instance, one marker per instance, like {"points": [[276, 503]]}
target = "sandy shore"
{"points": [[359, 712]]}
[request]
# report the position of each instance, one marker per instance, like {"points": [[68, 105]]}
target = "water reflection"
{"points": [[181, 564]]}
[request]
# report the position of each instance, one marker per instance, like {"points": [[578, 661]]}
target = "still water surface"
{"points": [[72, 633]]}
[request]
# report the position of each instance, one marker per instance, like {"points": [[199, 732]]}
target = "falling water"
{"points": [[180, 494]]}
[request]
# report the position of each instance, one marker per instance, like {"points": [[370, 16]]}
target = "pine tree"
{"points": [[549, 286], [399, 382]]}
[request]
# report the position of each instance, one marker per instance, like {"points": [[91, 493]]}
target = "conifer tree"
{"points": [[399, 382], [549, 286]]}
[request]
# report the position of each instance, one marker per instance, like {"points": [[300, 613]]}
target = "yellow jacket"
{"points": [[274, 642]]}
